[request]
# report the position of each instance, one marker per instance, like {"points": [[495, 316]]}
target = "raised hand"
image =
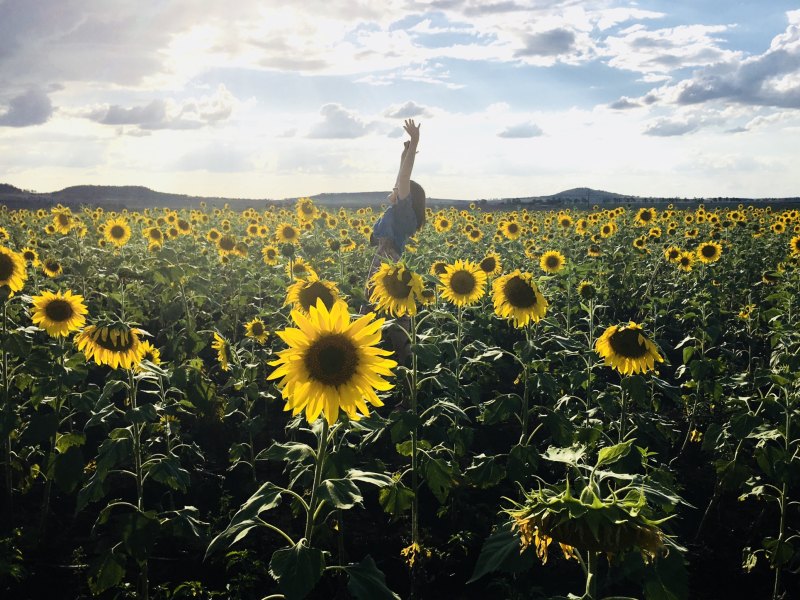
{"points": [[412, 130]]}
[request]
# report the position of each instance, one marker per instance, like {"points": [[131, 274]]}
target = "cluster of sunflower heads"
{"points": [[613, 524]]}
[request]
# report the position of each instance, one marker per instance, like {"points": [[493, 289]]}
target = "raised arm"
{"points": [[403, 183]]}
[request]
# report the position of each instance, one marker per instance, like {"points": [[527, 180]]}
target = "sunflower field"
{"points": [[218, 403]]}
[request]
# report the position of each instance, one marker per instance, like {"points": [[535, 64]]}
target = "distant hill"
{"points": [[136, 197]]}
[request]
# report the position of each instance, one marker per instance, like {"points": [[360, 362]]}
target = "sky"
{"points": [[276, 99]]}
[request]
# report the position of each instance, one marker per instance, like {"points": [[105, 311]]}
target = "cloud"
{"points": [[406, 111], [169, 114], [624, 103], [339, 123], [30, 108], [521, 130], [548, 43], [214, 158], [670, 127]]}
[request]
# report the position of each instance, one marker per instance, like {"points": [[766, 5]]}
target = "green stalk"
{"points": [[623, 416], [322, 447], [48, 486], [143, 591], [525, 392], [414, 438], [592, 558], [7, 408]]}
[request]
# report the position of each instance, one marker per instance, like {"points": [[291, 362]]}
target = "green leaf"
{"points": [[501, 552], [169, 472], [367, 581], [405, 448], [106, 572], [485, 471], [267, 497], [65, 441], [396, 498], [612, 454], [377, 479], [341, 493], [440, 477], [570, 456], [297, 569], [500, 409], [290, 451]]}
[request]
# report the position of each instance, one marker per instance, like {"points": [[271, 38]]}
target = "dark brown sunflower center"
{"points": [[59, 310], [685, 261], [120, 342], [626, 343], [475, 233], [117, 232], [257, 329], [519, 293], [440, 268], [309, 294], [28, 255], [708, 251], [214, 235], [227, 243], [63, 219], [566, 222], [183, 225], [444, 223], [513, 228], [52, 265], [332, 359], [288, 233], [646, 216], [398, 286], [673, 254], [488, 264], [155, 234], [6, 267], [462, 283], [552, 262]]}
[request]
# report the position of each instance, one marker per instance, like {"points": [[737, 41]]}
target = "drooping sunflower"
{"points": [[223, 348], [113, 344], [395, 290], [517, 297], [709, 252], [286, 233], [52, 268], [12, 269], [491, 264], [627, 349], [332, 364], [117, 232], [304, 293], [59, 314], [462, 283], [256, 330], [552, 261]]}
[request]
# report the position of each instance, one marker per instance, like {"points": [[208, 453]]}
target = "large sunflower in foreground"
{"points": [[794, 245], [462, 283], [552, 261], [395, 289], [12, 270], [59, 314], [117, 232], [516, 296], [304, 293], [332, 364], [709, 252], [627, 349], [113, 344]]}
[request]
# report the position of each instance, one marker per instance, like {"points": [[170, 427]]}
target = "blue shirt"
{"points": [[398, 223]]}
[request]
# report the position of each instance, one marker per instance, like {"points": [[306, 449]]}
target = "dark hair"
{"points": [[418, 203]]}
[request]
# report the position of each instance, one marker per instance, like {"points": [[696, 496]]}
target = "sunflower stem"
{"points": [[48, 463], [592, 558], [525, 391], [414, 438], [623, 416], [143, 586], [7, 409], [322, 447]]}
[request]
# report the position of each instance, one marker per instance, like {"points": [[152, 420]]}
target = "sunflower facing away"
{"points": [[59, 314], [627, 349], [395, 290], [12, 270], [304, 293], [115, 344], [709, 252], [517, 297], [332, 364], [552, 261], [220, 344], [462, 283], [117, 232], [256, 330]]}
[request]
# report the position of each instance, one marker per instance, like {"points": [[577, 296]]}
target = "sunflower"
{"points": [[270, 255], [213, 235], [31, 256], [474, 235], [59, 314], [645, 216], [287, 233], [463, 283], [438, 268], [709, 252], [117, 232], [672, 254], [395, 289], [640, 243], [113, 344], [794, 244], [62, 220], [221, 345], [685, 261], [627, 349], [491, 264], [594, 250], [150, 352], [306, 211], [226, 244], [304, 293], [552, 261], [608, 229], [442, 224], [511, 229], [154, 235], [12, 269], [587, 290], [257, 330], [52, 268], [517, 297], [299, 269], [332, 364], [428, 296]]}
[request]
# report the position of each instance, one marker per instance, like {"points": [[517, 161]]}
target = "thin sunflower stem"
{"points": [[143, 587], [48, 463], [623, 416], [525, 416], [322, 447], [592, 558], [414, 438], [7, 408]]}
